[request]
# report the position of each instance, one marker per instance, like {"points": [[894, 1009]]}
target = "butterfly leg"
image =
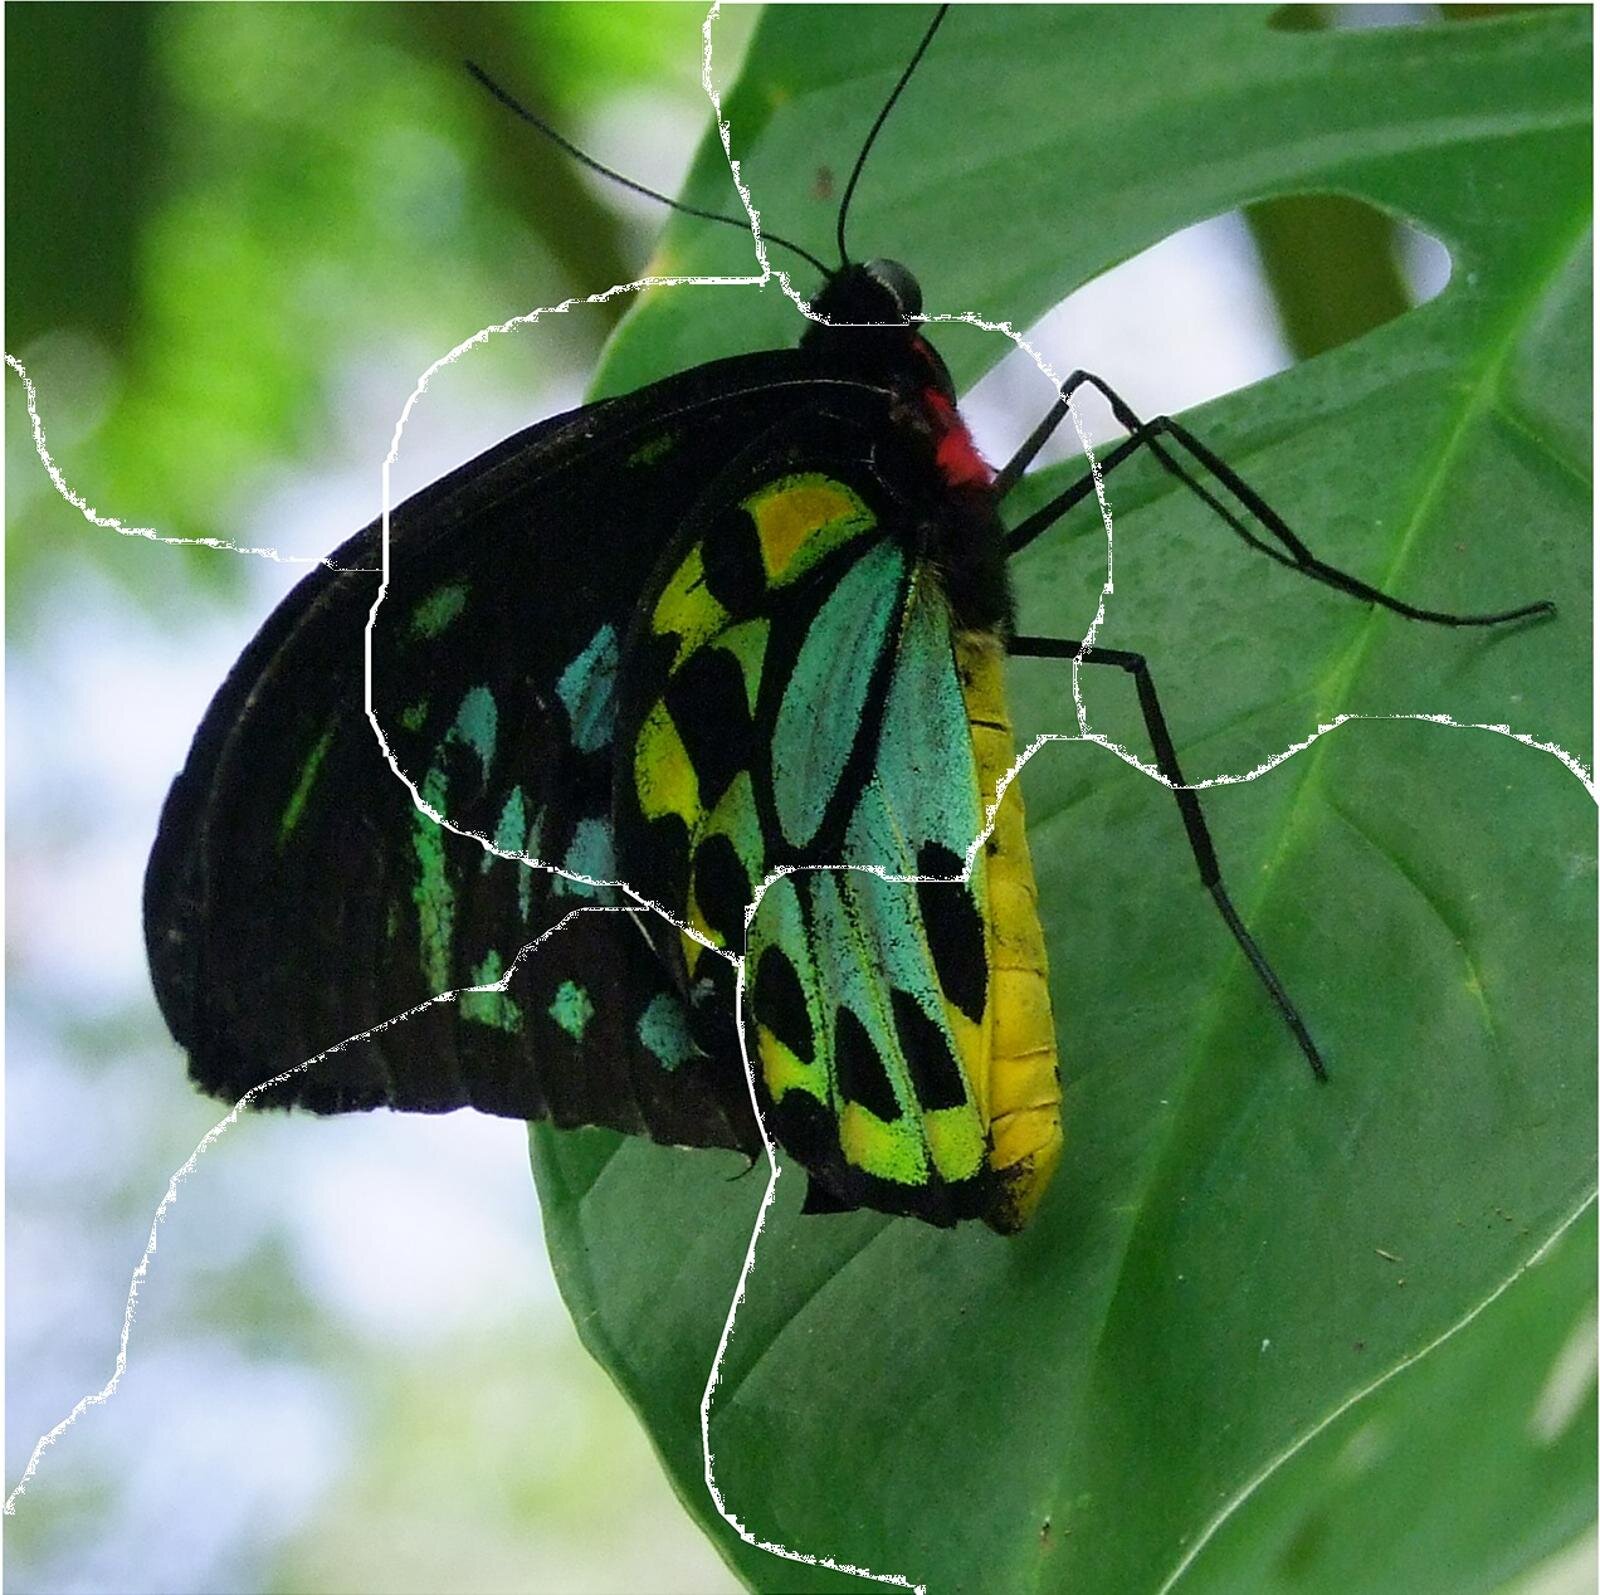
{"points": [[1290, 550], [1194, 820]]}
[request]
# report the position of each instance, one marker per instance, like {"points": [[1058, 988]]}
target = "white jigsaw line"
{"points": [[226, 1123], [1571, 761], [1085, 734], [111, 523]]}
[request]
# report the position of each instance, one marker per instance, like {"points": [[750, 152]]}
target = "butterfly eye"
{"points": [[906, 289]]}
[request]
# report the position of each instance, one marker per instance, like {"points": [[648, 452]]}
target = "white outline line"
{"points": [[219, 1129], [111, 523], [1575, 765]]}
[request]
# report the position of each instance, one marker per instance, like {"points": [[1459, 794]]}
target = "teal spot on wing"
{"points": [[509, 830], [591, 854], [664, 1029], [825, 699], [925, 764], [296, 806], [435, 613], [493, 1008], [475, 724], [513, 825], [871, 936], [436, 904], [514, 835], [572, 1009], [587, 689], [867, 942]]}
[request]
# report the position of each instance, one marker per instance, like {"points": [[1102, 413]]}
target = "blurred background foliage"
{"points": [[217, 207], [236, 235]]}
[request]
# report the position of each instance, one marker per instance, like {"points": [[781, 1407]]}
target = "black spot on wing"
{"points": [[955, 931], [934, 1073], [819, 1199], [780, 1004], [661, 867], [730, 555], [860, 1069], [710, 708], [721, 888], [809, 1133]]}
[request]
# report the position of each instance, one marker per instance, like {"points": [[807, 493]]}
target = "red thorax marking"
{"points": [[955, 453]]}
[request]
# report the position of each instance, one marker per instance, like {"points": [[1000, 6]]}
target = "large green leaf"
{"points": [[1210, 1278]]}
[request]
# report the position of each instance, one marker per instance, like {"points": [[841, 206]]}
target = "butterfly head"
{"points": [[870, 308], [872, 293]]}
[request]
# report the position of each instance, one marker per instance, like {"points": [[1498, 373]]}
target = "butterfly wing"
{"points": [[297, 896], [796, 698]]}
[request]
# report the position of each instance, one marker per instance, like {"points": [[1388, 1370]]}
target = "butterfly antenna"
{"points": [[883, 116], [514, 105]]}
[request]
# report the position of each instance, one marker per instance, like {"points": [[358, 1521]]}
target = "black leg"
{"points": [[1194, 820], [1147, 434]]}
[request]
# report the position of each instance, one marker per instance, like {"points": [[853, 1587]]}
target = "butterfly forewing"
{"points": [[740, 628], [297, 895]]}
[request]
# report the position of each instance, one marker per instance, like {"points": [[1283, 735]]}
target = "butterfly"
{"points": [[728, 652]]}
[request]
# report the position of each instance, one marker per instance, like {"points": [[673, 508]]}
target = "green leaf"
{"points": [[1206, 1285], [1360, 1506]]}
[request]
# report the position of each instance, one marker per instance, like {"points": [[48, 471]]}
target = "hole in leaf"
{"points": [[1321, 18], [1346, 18], [1214, 308]]}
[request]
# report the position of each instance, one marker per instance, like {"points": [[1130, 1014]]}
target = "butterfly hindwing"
{"points": [[801, 599]]}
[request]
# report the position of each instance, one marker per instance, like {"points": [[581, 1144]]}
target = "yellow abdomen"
{"points": [[1017, 1080]]}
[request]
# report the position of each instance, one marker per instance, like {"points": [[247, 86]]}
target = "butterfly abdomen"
{"points": [[1022, 1087]]}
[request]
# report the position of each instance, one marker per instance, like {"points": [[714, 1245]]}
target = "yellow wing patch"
{"points": [[800, 518], [687, 608], [890, 1151], [663, 771]]}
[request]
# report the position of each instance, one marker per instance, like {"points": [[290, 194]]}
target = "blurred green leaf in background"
{"points": [[237, 233]]}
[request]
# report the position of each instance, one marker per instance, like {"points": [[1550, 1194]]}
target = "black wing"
{"points": [[297, 897]]}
